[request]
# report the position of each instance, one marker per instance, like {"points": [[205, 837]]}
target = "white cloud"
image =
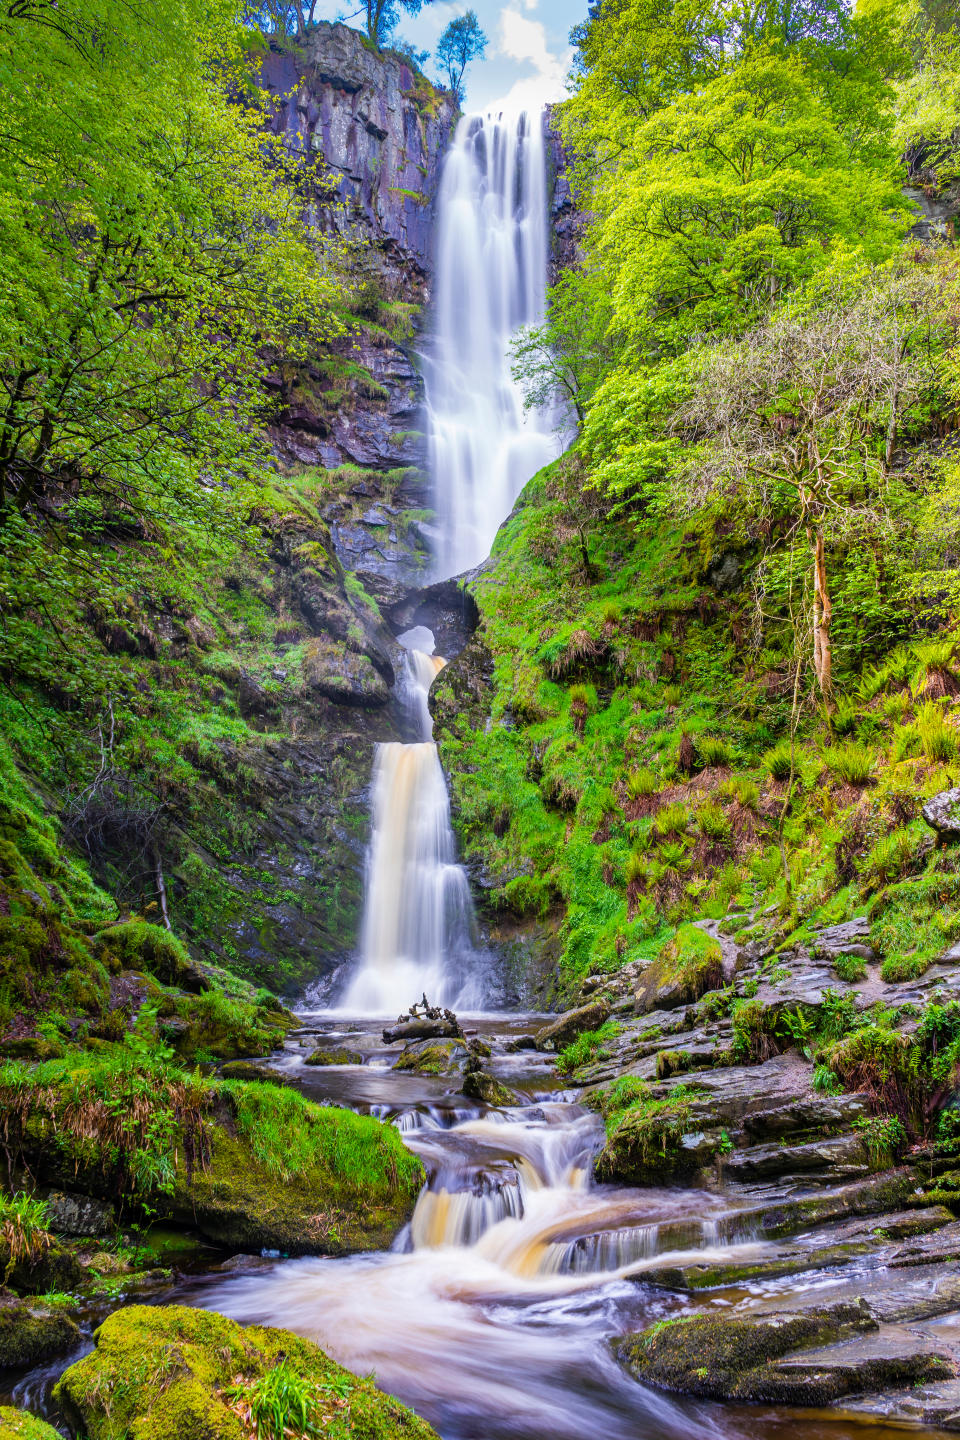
{"points": [[525, 41]]}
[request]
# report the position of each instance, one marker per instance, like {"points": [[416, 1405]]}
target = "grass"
{"points": [[282, 1402], [852, 763], [714, 750], [588, 1047], [23, 1228]]}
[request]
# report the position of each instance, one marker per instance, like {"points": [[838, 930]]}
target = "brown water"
{"points": [[492, 1315]]}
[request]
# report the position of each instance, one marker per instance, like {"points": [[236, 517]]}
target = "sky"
{"points": [[528, 49]]}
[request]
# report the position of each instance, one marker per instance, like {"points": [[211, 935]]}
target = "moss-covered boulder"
{"points": [[19, 1425], [479, 1085], [339, 1055], [724, 1357], [284, 1174], [171, 1373], [256, 1074], [46, 1267], [432, 1057], [568, 1026], [687, 967], [342, 675], [31, 1332], [136, 945], [652, 1141]]}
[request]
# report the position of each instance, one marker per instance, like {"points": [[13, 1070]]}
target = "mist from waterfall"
{"points": [[491, 275]]}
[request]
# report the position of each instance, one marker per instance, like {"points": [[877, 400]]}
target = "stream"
{"points": [[492, 1313]]}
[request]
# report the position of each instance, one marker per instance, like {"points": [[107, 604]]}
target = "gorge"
{"points": [[380, 687]]}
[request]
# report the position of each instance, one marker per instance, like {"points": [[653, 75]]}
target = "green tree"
{"points": [[153, 263], [383, 17], [461, 43], [566, 357]]}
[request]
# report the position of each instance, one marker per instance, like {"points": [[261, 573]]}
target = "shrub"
{"points": [[844, 718], [825, 1081], [885, 1137], [891, 857], [672, 819], [935, 677], [641, 783], [672, 695], [851, 763], [780, 761], [883, 1064], [672, 854], [714, 751], [938, 740], [713, 822], [637, 868], [581, 703]]}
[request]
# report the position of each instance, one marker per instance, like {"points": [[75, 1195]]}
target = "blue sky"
{"points": [[528, 54]]}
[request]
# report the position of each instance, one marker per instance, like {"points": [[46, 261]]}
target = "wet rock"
{"points": [[337, 1056], [942, 814], [726, 1357], [567, 1027], [249, 1070], [479, 1085], [432, 1057], [521, 1042], [342, 675], [31, 1332], [892, 1357], [254, 701], [128, 1385], [51, 1267], [79, 1214], [836, 1156]]}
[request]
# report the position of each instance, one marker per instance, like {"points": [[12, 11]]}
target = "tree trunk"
{"points": [[822, 616]]}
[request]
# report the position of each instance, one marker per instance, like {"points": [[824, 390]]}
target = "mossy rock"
{"points": [[137, 945], [167, 1372], [53, 1268], [342, 675], [432, 1057], [348, 1184], [19, 1425], [337, 1056], [721, 1357], [687, 967], [255, 1074], [31, 1332], [478, 1085], [653, 1142]]}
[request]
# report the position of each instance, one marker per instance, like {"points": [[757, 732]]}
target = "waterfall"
{"points": [[491, 272], [491, 279], [418, 915]]}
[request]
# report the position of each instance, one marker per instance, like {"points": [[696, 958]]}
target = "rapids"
{"points": [[492, 1314]]}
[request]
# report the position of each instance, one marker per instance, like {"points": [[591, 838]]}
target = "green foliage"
{"points": [[283, 1402], [641, 783], [714, 750], [780, 761], [588, 1047], [851, 763], [672, 819]]}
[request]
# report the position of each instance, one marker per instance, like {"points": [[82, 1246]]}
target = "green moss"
{"points": [[167, 1373], [644, 1135], [687, 966], [19, 1425]]}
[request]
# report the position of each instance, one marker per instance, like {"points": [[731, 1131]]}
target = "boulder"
{"points": [[568, 1026], [479, 1085], [337, 1056], [79, 1214], [173, 1373], [687, 967], [31, 1332], [432, 1057], [343, 675], [249, 1070], [942, 814]]}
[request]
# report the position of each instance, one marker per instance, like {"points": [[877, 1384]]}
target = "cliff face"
{"points": [[382, 131], [567, 223]]}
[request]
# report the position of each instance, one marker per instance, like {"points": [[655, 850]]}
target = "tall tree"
{"points": [[383, 17], [461, 43]]}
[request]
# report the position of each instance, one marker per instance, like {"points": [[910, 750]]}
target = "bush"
{"points": [[672, 695], [714, 751], [713, 822], [672, 819], [891, 857], [851, 763], [780, 761], [641, 783], [581, 703], [844, 718], [937, 739]]}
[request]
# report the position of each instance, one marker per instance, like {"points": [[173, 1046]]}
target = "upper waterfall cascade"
{"points": [[491, 274]]}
